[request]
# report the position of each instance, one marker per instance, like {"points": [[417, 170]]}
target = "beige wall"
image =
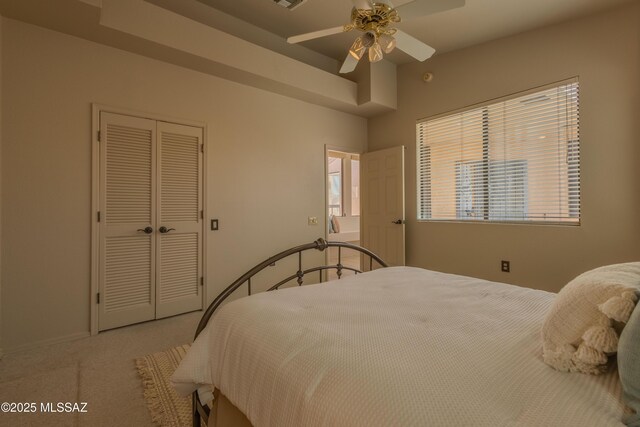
{"points": [[1, 62], [604, 51], [265, 160]]}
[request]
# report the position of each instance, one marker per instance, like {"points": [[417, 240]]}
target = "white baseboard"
{"points": [[42, 343]]}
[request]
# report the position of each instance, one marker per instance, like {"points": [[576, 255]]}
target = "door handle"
{"points": [[147, 230], [164, 229], [397, 221]]}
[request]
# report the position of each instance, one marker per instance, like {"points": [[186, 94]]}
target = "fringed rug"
{"points": [[166, 407]]}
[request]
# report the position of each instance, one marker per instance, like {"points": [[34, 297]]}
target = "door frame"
{"points": [[96, 109], [325, 215]]}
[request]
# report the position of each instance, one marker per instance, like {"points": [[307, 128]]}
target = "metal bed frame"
{"points": [[200, 411]]}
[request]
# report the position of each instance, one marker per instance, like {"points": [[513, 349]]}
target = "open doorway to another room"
{"points": [[343, 204]]}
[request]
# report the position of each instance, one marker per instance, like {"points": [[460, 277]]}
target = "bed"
{"points": [[390, 346]]}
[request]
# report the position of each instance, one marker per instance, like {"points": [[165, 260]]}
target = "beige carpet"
{"points": [[166, 407], [99, 370]]}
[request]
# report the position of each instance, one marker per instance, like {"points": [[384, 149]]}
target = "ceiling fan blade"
{"points": [[315, 34], [349, 64], [412, 46], [361, 4], [419, 8]]}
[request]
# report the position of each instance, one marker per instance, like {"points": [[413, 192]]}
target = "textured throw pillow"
{"points": [[581, 329], [336, 224], [629, 365]]}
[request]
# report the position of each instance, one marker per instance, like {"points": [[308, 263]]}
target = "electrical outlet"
{"points": [[506, 266], [313, 220]]}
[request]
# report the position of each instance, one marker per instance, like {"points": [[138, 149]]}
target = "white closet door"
{"points": [[179, 234], [127, 207]]}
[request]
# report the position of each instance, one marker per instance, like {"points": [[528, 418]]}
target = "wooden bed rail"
{"points": [[299, 275]]}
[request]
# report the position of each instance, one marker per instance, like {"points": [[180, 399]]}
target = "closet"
{"points": [[150, 220]]}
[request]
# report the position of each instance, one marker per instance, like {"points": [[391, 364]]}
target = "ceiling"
{"points": [[479, 21], [264, 23], [246, 40]]}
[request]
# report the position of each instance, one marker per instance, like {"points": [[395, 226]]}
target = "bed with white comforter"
{"points": [[396, 346]]}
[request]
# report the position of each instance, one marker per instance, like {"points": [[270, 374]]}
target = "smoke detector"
{"points": [[289, 4]]}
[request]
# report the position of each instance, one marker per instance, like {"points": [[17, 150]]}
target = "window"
{"points": [[343, 183], [506, 196], [335, 186], [517, 160]]}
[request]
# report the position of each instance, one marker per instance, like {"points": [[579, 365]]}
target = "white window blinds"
{"points": [[513, 160]]}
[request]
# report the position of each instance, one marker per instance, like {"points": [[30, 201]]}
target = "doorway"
{"points": [[343, 206]]}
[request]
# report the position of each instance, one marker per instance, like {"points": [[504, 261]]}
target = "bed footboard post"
{"points": [[196, 414]]}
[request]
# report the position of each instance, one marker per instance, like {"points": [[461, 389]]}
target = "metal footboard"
{"points": [[201, 412]]}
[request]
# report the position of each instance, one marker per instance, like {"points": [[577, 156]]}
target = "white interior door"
{"points": [[382, 204], [150, 223], [179, 283], [127, 217]]}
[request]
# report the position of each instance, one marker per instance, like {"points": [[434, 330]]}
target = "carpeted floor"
{"points": [[99, 370]]}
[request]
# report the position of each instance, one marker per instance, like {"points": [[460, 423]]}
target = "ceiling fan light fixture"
{"points": [[358, 48], [369, 38], [387, 42], [375, 52], [376, 20]]}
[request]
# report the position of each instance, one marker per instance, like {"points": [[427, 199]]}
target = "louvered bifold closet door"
{"points": [[179, 211], [127, 208]]}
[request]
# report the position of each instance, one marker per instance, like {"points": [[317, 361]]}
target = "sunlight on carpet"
{"points": [[166, 407]]}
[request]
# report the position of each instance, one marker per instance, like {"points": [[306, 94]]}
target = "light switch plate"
{"points": [[313, 220]]}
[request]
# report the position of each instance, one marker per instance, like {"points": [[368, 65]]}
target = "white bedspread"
{"points": [[394, 347]]}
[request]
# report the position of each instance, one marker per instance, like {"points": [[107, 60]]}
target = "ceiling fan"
{"points": [[376, 19]]}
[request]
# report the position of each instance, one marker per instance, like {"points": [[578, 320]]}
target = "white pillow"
{"points": [[582, 327], [336, 224]]}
